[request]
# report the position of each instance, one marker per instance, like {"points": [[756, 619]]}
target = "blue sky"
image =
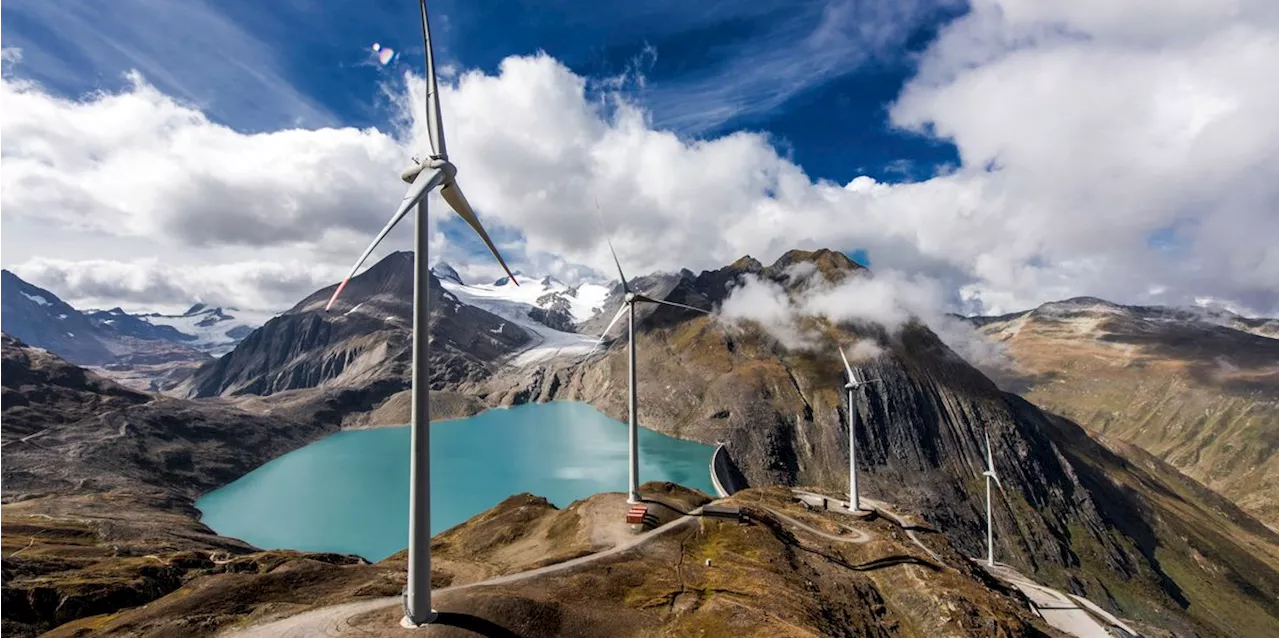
{"points": [[1001, 155], [817, 76]]}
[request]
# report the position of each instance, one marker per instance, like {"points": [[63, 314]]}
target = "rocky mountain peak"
{"points": [[794, 266], [446, 272], [363, 341]]}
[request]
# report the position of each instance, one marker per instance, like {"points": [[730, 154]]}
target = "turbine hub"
{"points": [[631, 297], [444, 166]]}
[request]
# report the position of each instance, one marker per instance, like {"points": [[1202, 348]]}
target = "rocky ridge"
{"points": [[1074, 514]]}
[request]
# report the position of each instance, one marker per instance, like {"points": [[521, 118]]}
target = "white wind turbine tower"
{"points": [[990, 474], [853, 385], [437, 170], [629, 307]]}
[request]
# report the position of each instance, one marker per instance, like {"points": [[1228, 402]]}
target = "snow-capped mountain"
{"points": [[134, 326], [545, 307], [116, 337], [445, 272], [212, 330]]}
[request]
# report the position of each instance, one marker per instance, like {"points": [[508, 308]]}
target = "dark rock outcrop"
{"points": [[553, 310]]}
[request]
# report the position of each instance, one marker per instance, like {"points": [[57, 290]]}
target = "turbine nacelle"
{"points": [[446, 168]]}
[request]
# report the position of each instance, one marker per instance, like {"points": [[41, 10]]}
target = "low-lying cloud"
{"points": [[887, 299]]}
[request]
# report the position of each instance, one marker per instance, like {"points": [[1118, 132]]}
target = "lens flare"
{"points": [[384, 54]]}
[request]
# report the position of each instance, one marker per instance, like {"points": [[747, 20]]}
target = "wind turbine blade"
{"points": [[621, 311], [424, 182], [605, 231], [991, 466], [847, 368], [435, 127], [671, 303], [452, 194]]}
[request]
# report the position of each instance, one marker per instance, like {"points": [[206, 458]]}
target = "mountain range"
{"points": [[151, 351], [1196, 389], [1116, 523]]}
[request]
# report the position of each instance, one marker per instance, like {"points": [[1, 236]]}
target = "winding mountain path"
{"points": [[883, 510], [857, 536]]}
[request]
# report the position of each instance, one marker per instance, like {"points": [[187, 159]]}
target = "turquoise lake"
{"points": [[349, 492]]}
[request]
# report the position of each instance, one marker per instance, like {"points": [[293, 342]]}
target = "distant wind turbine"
{"points": [[629, 307], [422, 177], [990, 473], [854, 384]]}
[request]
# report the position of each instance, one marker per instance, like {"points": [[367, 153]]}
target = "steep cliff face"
{"points": [[1072, 513], [365, 339], [1196, 389]]}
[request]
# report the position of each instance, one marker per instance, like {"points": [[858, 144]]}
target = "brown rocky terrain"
{"points": [[1196, 390], [708, 577], [98, 488]]}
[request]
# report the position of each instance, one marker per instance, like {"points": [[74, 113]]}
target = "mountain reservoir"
{"points": [[349, 492]]}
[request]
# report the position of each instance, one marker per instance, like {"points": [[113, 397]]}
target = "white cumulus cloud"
{"points": [[1126, 151]]}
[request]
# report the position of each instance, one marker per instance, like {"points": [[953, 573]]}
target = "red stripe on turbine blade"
{"points": [[336, 293]]}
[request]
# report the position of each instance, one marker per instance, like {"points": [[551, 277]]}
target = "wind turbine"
{"points": [[990, 473], [437, 170], [628, 306], [854, 384]]}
